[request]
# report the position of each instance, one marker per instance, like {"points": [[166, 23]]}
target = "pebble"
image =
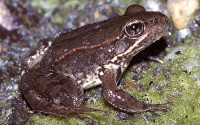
{"points": [[197, 18], [158, 71], [183, 33], [137, 77], [6, 18], [123, 116], [182, 11]]}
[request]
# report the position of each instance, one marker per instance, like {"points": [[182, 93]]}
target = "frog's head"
{"points": [[140, 28]]}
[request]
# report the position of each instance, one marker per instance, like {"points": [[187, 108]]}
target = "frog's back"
{"points": [[88, 35]]}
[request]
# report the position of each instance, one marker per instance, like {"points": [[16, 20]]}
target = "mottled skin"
{"points": [[92, 55]]}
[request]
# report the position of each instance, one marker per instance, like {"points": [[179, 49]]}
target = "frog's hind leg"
{"points": [[58, 110], [123, 100], [52, 93]]}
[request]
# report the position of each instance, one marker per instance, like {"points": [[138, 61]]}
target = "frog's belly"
{"points": [[89, 79], [94, 76]]}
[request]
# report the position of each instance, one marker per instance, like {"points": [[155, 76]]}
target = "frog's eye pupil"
{"points": [[134, 28]]}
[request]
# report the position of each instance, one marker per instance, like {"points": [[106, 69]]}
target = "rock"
{"points": [[6, 18], [182, 11]]}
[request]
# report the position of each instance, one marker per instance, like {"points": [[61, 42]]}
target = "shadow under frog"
{"points": [[95, 54]]}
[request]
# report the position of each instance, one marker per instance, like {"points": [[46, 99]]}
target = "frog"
{"points": [[96, 54]]}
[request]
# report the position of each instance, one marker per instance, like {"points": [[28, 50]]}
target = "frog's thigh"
{"points": [[52, 93], [63, 90]]}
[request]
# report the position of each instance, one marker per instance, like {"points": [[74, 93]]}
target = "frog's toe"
{"points": [[91, 119], [160, 106]]}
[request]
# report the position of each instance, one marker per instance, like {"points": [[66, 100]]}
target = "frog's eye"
{"points": [[134, 28]]}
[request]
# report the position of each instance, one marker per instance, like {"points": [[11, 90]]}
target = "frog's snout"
{"points": [[166, 21]]}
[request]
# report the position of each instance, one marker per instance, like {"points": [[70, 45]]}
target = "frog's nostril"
{"points": [[156, 20], [167, 21]]}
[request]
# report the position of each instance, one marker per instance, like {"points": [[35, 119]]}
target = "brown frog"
{"points": [[95, 54]]}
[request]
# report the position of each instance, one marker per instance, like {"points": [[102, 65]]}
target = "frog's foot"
{"points": [[53, 93], [152, 107], [123, 100]]}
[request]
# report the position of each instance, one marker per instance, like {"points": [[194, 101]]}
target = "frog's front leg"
{"points": [[53, 93], [123, 100]]}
